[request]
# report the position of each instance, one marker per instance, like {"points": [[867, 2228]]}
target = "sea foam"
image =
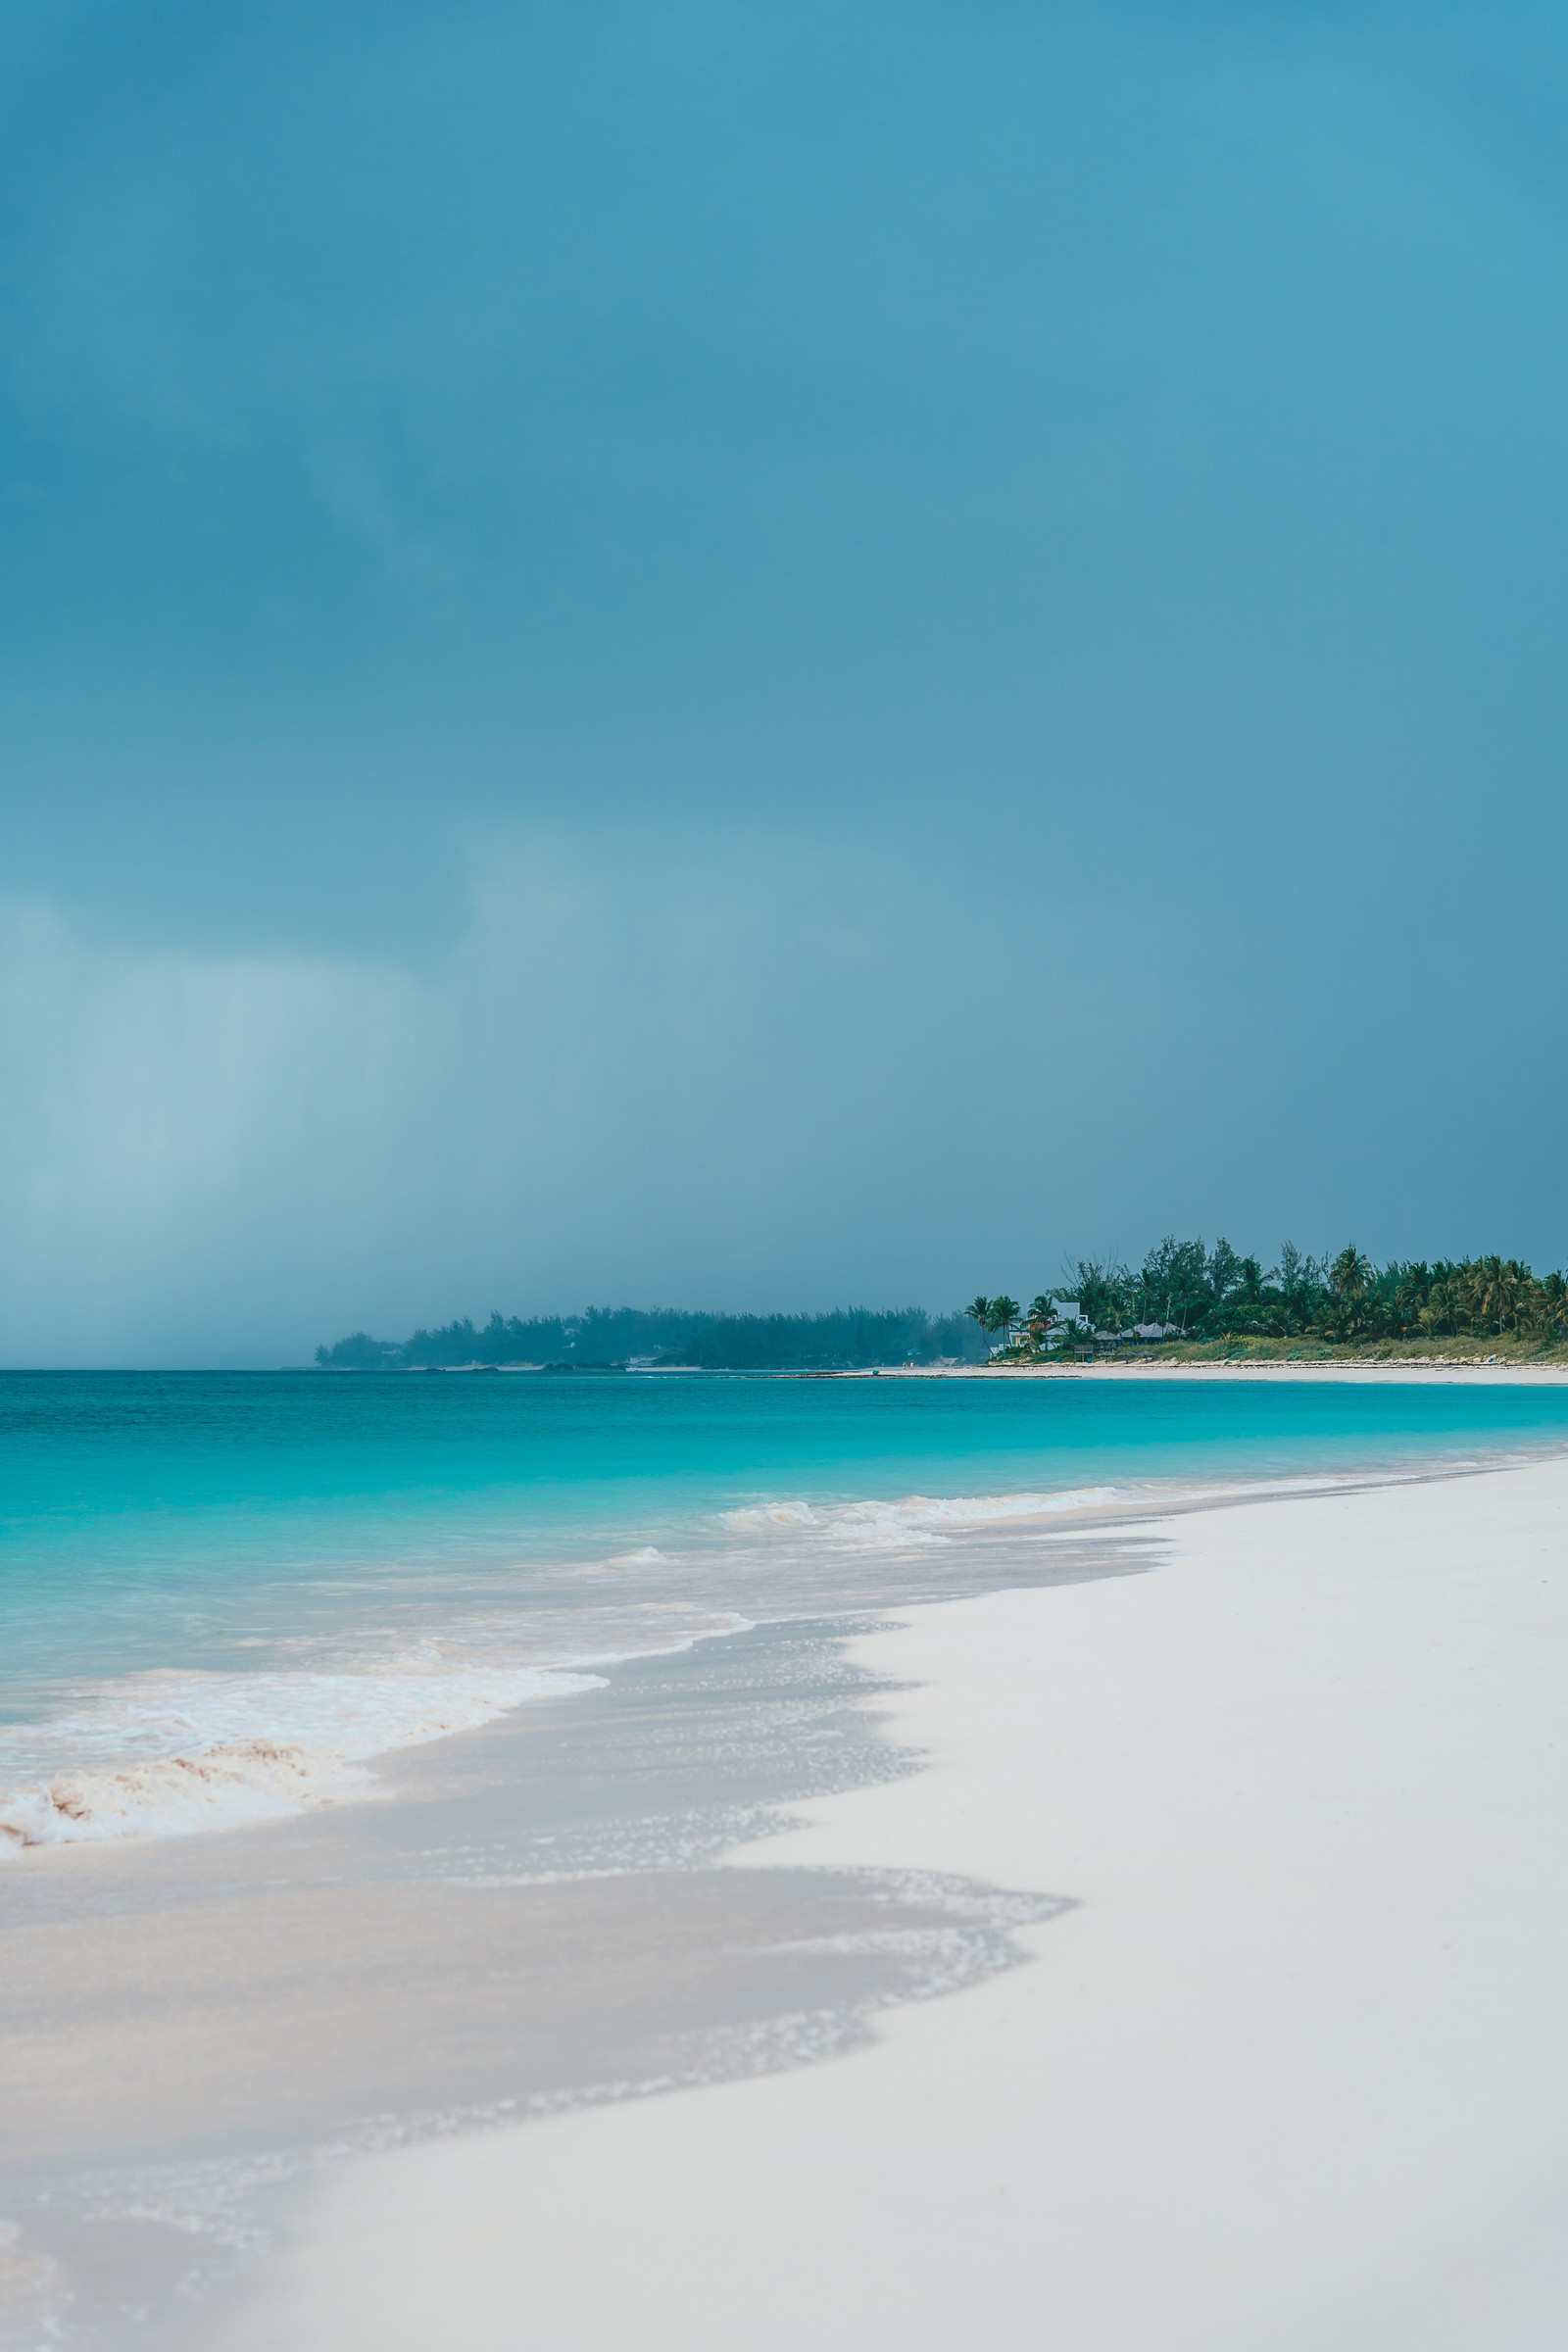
{"points": [[162, 1755], [916, 1519]]}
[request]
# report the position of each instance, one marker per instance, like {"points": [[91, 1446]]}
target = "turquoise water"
{"points": [[287, 1547]]}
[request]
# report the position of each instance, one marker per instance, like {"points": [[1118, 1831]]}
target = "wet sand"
{"points": [[532, 1919], [1292, 2071]]}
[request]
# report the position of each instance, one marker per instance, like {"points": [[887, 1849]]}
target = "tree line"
{"points": [[839, 1340], [602, 1337], [1181, 1291], [1190, 1291]]}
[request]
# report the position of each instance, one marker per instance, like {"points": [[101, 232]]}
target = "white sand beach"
{"points": [[1292, 2073]]}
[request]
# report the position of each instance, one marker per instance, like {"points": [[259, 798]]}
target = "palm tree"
{"points": [[1442, 1307], [978, 1312], [1497, 1283], [1554, 1303], [1350, 1277], [1039, 1315], [1004, 1315]]}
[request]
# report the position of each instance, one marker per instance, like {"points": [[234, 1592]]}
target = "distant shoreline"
{"points": [[1549, 1372], [1474, 1370]]}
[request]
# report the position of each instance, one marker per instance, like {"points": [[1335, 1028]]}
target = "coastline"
{"points": [[1290, 2070], [1433, 1370]]}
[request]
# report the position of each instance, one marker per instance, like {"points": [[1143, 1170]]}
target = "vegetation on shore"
{"points": [[843, 1340], [1195, 1300], [846, 1338], [1187, 1301], [1411, 1352], [602, 1335]]}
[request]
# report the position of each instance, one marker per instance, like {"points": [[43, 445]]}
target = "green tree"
{"points": [[1553, 1305], [1438, 1310], [1350, 1281], [1104, 1292], [1495, 1290], [1004, 1315], [1173, 1283], [1297, 1286], [1038, 1316]]}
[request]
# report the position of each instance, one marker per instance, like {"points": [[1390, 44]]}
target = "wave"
{"points": [[925, 1519], [163, 1755], [916, 1519]]}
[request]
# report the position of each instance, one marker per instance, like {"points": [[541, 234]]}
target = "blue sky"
{"points": [[754, 656]]}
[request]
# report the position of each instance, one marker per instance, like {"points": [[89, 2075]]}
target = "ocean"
{"points": [[395, 1756], [225, 1595]]}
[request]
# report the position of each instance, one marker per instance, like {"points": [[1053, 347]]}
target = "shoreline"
{"points": [[1396, 1370], [272, 1776], [1289, 2066]]}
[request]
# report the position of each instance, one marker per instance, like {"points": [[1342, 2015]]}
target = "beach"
{"points": [[1287, 2063], [1012, 1838], [1429, 1370], [681, 682]]}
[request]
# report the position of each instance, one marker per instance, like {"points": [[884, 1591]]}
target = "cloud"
{"points": [[187, 1137], [648, 1063], [1018, 552], [717, 1066]]}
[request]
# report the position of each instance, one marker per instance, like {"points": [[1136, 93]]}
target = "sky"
{"points": [[764, 656]]}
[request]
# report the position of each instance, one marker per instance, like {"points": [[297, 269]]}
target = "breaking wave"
{"points": [[163, 1755], [916, 1519]]}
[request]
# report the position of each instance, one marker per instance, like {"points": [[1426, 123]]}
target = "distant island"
{"points": [[847, 1339], [1187, 1301]]}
